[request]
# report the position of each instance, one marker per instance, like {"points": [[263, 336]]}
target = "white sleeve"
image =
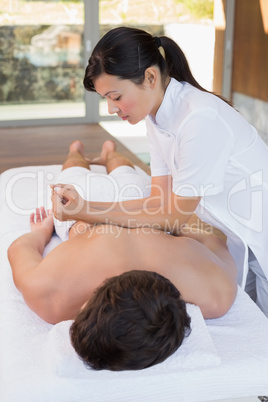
{"points": [[203, 149]]}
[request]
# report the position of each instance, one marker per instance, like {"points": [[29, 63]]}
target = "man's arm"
{"points": [[25, 255]]}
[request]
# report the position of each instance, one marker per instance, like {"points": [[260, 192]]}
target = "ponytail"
{"points": [[178, 67], [128, 52], [177, 64]]}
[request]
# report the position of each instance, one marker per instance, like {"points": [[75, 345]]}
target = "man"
{"points": [[150, 271]]}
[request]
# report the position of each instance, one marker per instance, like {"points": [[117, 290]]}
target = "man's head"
{"points": [[133, 321]]}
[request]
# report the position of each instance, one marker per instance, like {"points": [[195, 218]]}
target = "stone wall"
{"points": [[27, 76], [23, 81]]}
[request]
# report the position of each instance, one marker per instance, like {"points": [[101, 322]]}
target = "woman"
{"points": [[205, 156]]}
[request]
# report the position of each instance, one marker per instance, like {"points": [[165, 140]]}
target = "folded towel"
{"points": [[197, 350]]}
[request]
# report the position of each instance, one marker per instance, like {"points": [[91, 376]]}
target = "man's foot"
{"points": [[77, 146], [108, 146]]}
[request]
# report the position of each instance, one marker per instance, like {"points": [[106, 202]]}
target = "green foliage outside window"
{"points": [[199, 8]]}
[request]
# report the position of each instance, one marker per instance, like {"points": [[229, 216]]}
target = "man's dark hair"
{"points": [[133, 321]]}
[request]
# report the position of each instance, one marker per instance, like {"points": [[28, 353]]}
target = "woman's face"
{"points": [[130, 101]]}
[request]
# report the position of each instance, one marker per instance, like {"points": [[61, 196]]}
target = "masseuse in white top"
{"points": [[205, 156]]}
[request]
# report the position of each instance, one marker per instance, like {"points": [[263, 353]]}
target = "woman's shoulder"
{"points": [[191, 99]]}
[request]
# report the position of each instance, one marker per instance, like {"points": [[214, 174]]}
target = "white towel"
{"points": [[197, 350], [123, 183]]}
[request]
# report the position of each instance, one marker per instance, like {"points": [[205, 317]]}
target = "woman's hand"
{"points": [[42, 224], [66, 202]]}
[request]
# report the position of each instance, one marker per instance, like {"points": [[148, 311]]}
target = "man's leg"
{"points": [[74, 159], [110, 158], [76, 156]]}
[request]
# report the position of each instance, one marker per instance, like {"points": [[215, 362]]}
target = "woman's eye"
{"points": [[117, 99]]}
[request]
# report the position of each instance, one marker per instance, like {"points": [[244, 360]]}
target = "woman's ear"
{"points": [[151, 76]]}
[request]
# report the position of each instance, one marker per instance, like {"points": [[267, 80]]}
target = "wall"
{"points": [[249, 69], [250, 64]]}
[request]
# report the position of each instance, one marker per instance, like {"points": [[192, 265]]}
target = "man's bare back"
{"points": [[197, 263]]}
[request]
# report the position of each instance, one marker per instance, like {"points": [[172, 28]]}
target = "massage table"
{"points": [[224, 358]]}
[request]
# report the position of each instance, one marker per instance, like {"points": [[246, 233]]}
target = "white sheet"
{"points": [[28, 373]]}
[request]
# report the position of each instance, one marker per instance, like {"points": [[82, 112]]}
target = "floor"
{"points": [[49, 144], [132, 136]]}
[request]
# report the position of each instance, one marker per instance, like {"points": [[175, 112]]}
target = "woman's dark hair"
{"points": [[127, 52], [133, 321]]}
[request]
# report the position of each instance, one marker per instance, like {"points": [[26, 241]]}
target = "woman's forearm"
{"points": [[133, 207], [141, 219], [147, 212], [162, 209]]}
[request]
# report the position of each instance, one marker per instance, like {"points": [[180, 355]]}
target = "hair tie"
{"points": [[157, 41], [160, 47]]}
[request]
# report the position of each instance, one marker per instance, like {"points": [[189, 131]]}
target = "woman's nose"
{"points": [[112, 108]]}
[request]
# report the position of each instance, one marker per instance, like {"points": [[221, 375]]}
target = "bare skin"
{"points": [[56, 287], [108, 157]]}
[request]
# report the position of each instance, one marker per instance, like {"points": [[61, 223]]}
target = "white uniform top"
{"points": [[212, 151]]}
